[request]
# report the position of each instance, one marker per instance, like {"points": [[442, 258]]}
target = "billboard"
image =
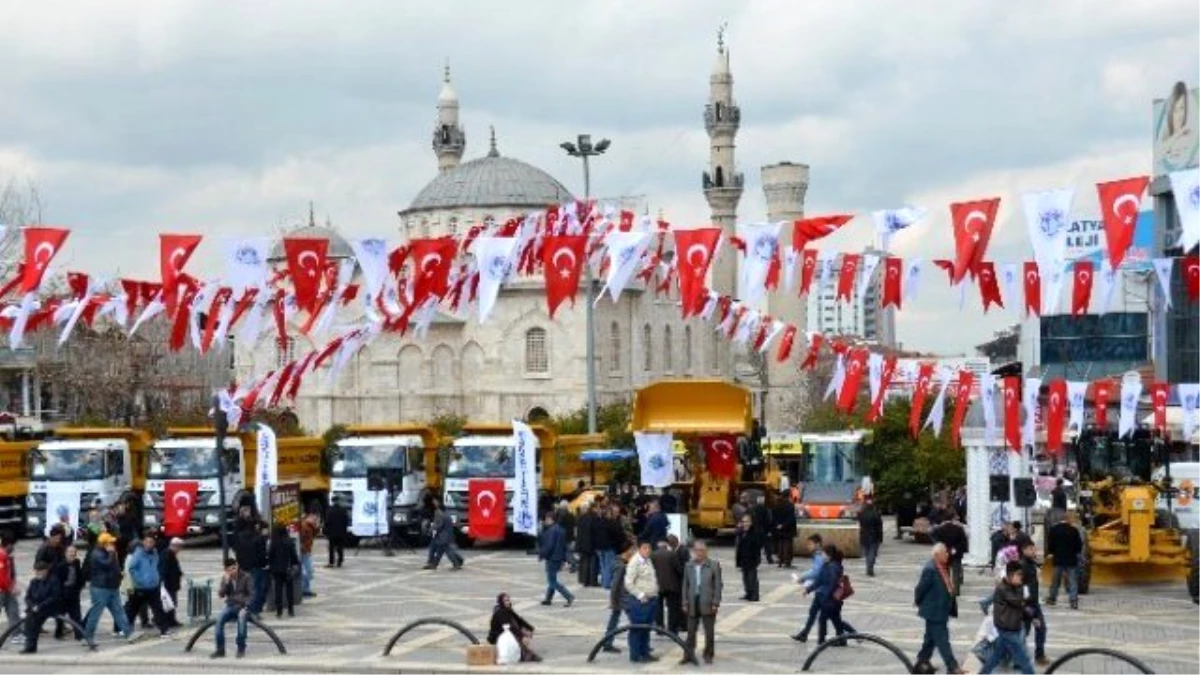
{"points": [[1086, 241], [1176, 133], [1094, 338]]}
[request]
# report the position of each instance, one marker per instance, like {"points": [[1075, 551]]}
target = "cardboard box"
{"points": [[481, 655]]}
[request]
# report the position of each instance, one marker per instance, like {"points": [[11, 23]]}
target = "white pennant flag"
{"points": [[777, 327], [655, 459], [1185, 185], [19, 313], [762, 243], [1162, 268], [790, 258], [912, 278], [826, 260], [890, 221], [372, 256], [987, 398], [1189, 399], [938, 413], [625, 251], [747, 326], [1009, 274], [1029, 397], [870, 262], [1052, 283], [79, 305], [246, 262], [1048, 213], [874, 374], [251, 325], [839, 376], [1106, 281], [1076, 393], [1131, 391], [153, 309], [494, 255]]}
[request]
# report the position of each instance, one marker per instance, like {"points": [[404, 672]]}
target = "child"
{"points": [[71, 579], [1009, 615]]}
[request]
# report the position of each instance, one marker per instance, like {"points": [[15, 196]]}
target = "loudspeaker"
{"points": [[998, 488], [1026, 495], [377, 480]]}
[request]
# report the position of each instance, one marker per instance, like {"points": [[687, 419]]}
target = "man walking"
{"points": [[702, 588], [337, 525], [761, 517], [816, 548], [1033, 619], [1065, 545], [442, 540], [144, 574], [748, 557], [552, 549], [1008, 615], [236, 587], [934, 598], [783, 519], [172, 578], [641, 593], [105, 581], [870, 532], [668, 567], [954, 536], [41, 603]]}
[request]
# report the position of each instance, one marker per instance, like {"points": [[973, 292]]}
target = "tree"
{"points": [[448, 424], [20, 205]]}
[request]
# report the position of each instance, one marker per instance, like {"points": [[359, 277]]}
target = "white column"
{"points": [[979, 507]]}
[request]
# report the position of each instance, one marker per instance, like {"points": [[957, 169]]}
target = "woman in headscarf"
{"points": [[504, 615]]}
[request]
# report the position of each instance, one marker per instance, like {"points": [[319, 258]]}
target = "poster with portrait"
{"points": [[285, 506], [1176, 133]]}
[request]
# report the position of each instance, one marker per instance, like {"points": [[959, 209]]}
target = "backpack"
{"points": [[844, 589]]}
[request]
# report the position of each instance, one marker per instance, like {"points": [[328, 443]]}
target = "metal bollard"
{"points": [[199, 601]]}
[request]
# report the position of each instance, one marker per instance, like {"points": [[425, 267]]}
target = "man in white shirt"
{"points": [[641, 598]]}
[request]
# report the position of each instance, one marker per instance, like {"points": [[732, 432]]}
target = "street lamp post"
{"points": [[583, 148]]}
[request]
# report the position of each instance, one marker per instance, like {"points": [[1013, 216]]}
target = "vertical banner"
{"points": [[285, 506], [654, 459], [62, 506], [369, 516], [525, 490], [266, 471], [179, 501]]}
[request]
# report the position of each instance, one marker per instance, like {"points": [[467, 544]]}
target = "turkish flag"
{"points": [[785, 343], [720, 455], [174, 250], [808, 265], [848, 275], [1033, 289], [856, 365], [989, 289], [920, 389], [973, 222], [211, 319], [812, 229], [962, 400], [485, 515], [885, 381], [1012, 412], [78, 283], [1101, 397], [1158, 399], [1119, 204], [1081, 294], [41, 245], [1191, 276], [306, 262], [893, 272], [1056, 408], [432, 260], [814, 349], [562, 264], [693, 256], [179, 500]]}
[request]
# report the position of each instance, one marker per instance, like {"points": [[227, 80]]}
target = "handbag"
{"points": [[844, 589], [168, 604], [508, 649]]}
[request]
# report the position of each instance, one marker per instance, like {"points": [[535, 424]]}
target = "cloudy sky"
{"points": [[134, 118]]}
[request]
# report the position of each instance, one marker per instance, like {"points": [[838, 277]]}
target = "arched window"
{"points": [[443, 366], [614, 346], [647, 348], [687, 349], [720, 177], [537, 355], [285, 353], [667, 361]]}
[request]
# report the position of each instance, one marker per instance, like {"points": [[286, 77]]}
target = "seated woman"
{"points": [[504, 615]]}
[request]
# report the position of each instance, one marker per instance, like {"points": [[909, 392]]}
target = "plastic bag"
{"points": [[508, 649], [167, 604]]}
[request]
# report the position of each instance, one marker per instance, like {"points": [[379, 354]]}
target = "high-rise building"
{"points": [[860, 316]]}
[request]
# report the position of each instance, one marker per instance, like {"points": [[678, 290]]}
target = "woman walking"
{"points": [[829, 590]]}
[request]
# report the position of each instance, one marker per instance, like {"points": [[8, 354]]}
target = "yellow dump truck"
{"points": [[404, 456], [690, 410], [14, 484]]}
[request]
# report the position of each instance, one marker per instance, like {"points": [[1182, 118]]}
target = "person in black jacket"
{"points": [[748, 557], [42, 600], [954, 536], [552, 548], [566, 519], [1008, 615], [337, 527], [585, 545], [282, 562], [783, 519], [171, 573], [610, 537], [250, 549], [1035, 620], [761, 517], [503, 615], [70, 579], [870, 532], [105, 579], [1065, 547]]}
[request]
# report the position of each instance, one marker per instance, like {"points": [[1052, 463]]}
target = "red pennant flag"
{"points": [[213, 317], [808, 265], [693, 256], [1056, 408], [562, 264], [814, 349], [432, 262], [1159, 391], [973, 222], [989, 289], [179, 501], [133, 293], [174, 250], [1101, 396], [1119, 204], [885, 381], [626, 223], [1012, 412], [920, 389], [962, 401], [486, 513], [1081, 295], [856, 364], [785, 343], [848, 276], [720, 455], [1033, 289], [812, 229], [78, 283], [1191, 276], [306, 261], [893, 272], [41, 245], [183, 316]]}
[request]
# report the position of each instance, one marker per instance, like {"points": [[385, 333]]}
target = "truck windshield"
{"points": [[480, 461], [196, 462], [832, 462], [356, 459], [68, 464]]}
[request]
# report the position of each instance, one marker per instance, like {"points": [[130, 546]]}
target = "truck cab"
{"points": [[193, 457], [404, 455], [95, 464], [832, 483], [14, 484], [484, 451]]}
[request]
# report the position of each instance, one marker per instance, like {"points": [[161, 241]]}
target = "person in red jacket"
{"points": [[8, 579]]}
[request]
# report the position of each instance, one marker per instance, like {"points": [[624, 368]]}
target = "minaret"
{"points": [[449, 140], [785, 186]]}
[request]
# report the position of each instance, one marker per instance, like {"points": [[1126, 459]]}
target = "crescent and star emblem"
{"points": [[893, 272], [564, 271], [426, 268], [1085, 276], [310, 270], [38, 260], [723, 448], [1130, 199], [187, 502], [974, 215], [176, 258], [486, 510], [691, 258]]}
